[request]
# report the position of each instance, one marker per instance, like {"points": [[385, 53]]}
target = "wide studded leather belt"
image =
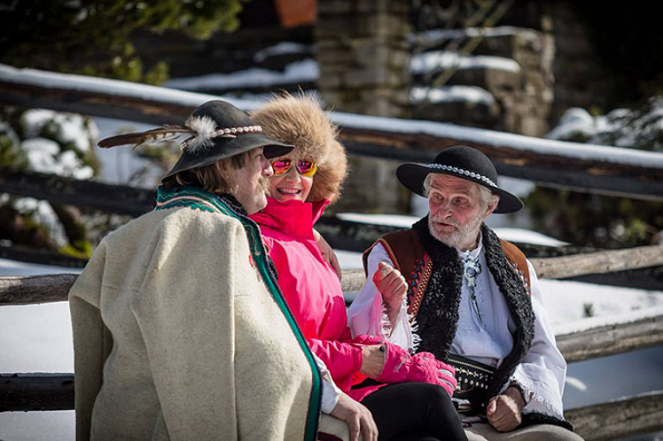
{"points": [[472, 378]]}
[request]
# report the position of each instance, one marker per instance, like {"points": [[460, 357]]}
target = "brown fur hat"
{"points": [[300, 121]]}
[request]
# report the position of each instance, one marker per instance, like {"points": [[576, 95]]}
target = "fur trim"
{"points": [[438, 314], [328, 181], [533, 418], [518, 302], [300, 121]]}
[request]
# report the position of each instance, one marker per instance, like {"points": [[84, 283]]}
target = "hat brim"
{"points": [[412, 177], [228, 147]]}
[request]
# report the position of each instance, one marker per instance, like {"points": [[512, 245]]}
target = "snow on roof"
{"points": [[441, 60], [587, 152], [440, 35], [297, 72], [452, 94], [107, 86], [283, 48], [394, 125]]}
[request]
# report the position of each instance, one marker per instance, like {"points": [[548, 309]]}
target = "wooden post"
{"points": [[619, 418]]}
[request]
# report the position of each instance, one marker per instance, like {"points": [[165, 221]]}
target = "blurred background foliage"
{"points": [[89, 37], [46, 34]]}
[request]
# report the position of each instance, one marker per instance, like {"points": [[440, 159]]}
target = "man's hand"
{"points": [[328, 253], [504, 411], [357, 416], [392, 286]]}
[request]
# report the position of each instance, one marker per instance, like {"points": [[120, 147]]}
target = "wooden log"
{"points": [[562, 267], [582, 167], [616, 419], [119, 199], [587, 344], [26, 392], [40, 256], [620, 418], [607, 340], [30, 290], [566, 266], [598, 263]]}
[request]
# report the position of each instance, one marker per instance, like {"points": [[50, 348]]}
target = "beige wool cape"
{"points": [[180, 333]]}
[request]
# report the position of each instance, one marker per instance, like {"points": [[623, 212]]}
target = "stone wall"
{"points": [[363, 57], [518, 83]]}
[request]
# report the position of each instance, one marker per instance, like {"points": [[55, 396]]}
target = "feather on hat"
{"points": [[215, 130]]}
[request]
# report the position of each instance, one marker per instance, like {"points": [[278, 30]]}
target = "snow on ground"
{"points": [[405, 221], [35, 338]]}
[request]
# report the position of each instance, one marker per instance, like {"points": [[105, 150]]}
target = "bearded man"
{"points": [[450, 286]]}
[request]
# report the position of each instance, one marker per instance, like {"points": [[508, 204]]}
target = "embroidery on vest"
{"points": [[523, 279], [418, 279]]}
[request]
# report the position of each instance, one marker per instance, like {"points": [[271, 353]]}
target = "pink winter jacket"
{"points": [[309, 284]]}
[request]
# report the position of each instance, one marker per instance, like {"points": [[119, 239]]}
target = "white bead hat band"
{"points": [[460, 171]]}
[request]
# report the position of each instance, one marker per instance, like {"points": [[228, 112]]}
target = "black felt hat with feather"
{"points": [[215, 130]]}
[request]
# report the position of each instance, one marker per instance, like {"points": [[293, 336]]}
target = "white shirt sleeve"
{"points": [[367, 314], [330, 392], [543, 370]]}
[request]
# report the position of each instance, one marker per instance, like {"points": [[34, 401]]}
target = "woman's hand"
{"points": [[357, 416], [328, 253], [372, 360]]}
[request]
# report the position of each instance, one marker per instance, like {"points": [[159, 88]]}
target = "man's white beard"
{"points": [[465, 233]]}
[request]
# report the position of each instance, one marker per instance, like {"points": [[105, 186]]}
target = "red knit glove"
{"points": [[425, 368]]}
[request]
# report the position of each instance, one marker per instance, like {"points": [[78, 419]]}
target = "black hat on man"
{"points": [[234, 133], [215, 130], [463, 162]]}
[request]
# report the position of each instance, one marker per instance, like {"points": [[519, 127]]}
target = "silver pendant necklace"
{"points": [[472, 268]]}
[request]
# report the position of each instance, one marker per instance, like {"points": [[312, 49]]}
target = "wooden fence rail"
{"points": [[54, 288], [596, 169], [627, 416], [619, 418], [601, 341]]}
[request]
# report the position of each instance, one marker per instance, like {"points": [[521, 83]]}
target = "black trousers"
{"points": [[414, 411]]}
